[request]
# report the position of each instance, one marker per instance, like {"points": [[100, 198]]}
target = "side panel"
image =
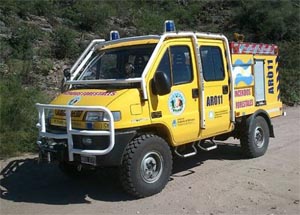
{"points": [[256, 81]]}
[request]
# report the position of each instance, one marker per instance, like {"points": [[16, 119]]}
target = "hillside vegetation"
{"points": [[38, 38]]}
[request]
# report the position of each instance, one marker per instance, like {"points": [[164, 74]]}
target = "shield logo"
{"points": [[176, 103], [74, 100]]}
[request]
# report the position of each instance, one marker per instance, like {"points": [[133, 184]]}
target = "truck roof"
{"points": [[126, 41]]}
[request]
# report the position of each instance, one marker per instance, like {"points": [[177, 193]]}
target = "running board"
{"points": [[212, 146], [194, 152]]}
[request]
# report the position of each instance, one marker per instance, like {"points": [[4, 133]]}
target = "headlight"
{"points": [[49, 115], [93, 116]]}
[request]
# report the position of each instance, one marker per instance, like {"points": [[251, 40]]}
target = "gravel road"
{"points": [[215, 182]]}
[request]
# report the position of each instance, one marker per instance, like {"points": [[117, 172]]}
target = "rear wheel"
{"points": [[146, 166], [255, 138]]}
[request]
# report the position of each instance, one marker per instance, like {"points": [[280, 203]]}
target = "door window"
{"points": [[181, 64], [164, 65], [212, 63], [176, 63]]}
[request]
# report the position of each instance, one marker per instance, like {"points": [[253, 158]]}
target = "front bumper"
{"points": [[68, 136], [57, 149]]}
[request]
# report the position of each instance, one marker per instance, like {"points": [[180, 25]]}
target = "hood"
{"points": [[88, 97], [125, 101]]}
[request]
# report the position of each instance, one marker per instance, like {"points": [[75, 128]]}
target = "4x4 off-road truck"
{"points": [[136, 102]]}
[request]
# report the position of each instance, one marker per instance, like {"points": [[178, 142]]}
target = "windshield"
{"points": [[119, 63]]}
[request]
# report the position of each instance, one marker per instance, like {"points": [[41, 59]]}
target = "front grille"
{"points": [[74, 113], [55, 129]]}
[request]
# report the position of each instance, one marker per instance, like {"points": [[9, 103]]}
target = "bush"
{"points": [[5, 50], [260, 23], [23, 37], [290, 71], [23, 8], [44, 66], [21, 69], [65, 46], [18, 116], [91, 15]]}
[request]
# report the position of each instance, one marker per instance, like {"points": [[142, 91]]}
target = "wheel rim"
{"points": [[151, 167], [259, 137]]}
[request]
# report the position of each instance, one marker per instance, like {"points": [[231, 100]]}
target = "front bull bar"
{"points": [[41, 125]]}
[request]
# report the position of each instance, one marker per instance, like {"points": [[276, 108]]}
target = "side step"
{"points": [[210, 145], [194, 152], [207, 145]]}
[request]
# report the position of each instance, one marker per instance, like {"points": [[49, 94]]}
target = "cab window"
{"points": [[176, 63], [181, 64], [119, 63], [164, 65], [212, 63]]}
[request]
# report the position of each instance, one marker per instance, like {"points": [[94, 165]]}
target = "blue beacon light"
{"points": [[170, 26], [114, 35]]}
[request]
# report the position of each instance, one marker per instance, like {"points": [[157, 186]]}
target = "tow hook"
{"points": [[44, 156], [79, 167], [49, 157]]}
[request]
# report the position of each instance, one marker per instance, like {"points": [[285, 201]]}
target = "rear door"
{"points": [[216, 88]]}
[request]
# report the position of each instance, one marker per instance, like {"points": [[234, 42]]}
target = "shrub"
{"points": [[21, 69], [18, 116], [290, 71], [5, 49], [65, 46], [91, 15], [23, 37], [44, 66]]}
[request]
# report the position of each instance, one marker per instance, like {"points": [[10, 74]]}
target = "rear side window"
{"points": [[212, 63]]}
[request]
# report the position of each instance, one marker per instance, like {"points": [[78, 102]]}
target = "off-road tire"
{"points": [[146, 166], [255, 138]]}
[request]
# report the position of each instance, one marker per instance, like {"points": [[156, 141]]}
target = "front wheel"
{"points": [[255, 138], [146, 166]]}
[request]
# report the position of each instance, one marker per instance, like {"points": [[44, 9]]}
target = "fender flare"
{"points": [[265, 115]]}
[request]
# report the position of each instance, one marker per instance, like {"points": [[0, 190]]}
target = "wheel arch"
{"points": [[159, 130], [265, 115]]}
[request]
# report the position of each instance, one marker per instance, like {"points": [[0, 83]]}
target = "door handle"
{"points": [[225, 89], [195, 93]]}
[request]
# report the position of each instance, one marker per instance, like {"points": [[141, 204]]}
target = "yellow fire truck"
{"points": [[136, 102]]}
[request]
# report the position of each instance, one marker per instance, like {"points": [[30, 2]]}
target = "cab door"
{"points": [[178, 111], [216, 88]]}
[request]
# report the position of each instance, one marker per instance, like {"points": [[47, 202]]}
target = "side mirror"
{"points": [[67, 73], [161, 84], [67, 76]]}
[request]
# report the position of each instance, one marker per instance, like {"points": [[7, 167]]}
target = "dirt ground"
{"points": [[215, 182]]}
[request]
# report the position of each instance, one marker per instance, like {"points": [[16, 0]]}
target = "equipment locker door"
{"points": [[259, 80]]}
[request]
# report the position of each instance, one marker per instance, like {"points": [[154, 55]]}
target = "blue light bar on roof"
{"points": [[170, 26], [114, 35]]}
